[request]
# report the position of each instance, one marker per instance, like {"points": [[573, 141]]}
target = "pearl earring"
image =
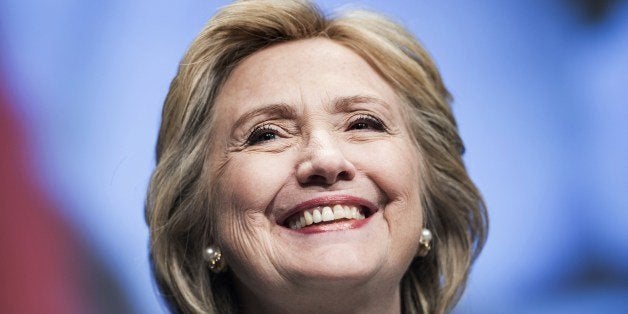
{"points": [[425, 242], [213, 257]]}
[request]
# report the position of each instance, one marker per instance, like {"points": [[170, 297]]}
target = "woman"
{"points": [[307, 164]]}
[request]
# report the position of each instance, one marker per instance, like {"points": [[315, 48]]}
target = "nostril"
{"points": [[324, 167], [345, 175], [317, 179], [321, 179]]}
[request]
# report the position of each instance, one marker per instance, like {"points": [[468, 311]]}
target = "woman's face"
{"points": [[319, 179]]}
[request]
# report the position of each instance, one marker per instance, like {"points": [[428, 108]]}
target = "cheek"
{"points": [[247, 186], [251, 180], [394, 167]]}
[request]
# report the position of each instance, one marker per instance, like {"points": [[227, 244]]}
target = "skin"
{"points": [[281, 138]]}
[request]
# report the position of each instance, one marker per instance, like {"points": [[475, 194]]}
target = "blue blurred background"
{"points": [[541, 97]]}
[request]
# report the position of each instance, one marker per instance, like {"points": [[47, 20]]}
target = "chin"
{"points": [[342, 264]]}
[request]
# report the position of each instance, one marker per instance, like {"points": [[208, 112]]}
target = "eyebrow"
{"points": [[285, 111], [341, 104], [279, 110]]}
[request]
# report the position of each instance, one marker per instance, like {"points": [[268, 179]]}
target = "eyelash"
{"points": [[366, 121], [255, 136], [369, 121]]}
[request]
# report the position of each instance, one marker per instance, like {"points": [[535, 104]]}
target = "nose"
{"points": [[323, 162]]}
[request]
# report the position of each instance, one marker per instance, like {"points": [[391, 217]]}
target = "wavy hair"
{"points": [[181, 192]]}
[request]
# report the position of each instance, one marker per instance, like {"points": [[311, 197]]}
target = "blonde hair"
{"points": [[179, 202]]}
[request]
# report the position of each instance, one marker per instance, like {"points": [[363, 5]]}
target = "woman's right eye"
{"points": [[262, 134]]}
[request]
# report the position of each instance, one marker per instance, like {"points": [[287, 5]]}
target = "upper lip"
{"points": [[328, 200]]}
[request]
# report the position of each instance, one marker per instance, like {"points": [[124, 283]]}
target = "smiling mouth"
{"points": [[325, 215]]}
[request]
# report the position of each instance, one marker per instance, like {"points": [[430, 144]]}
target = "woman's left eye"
{"points": [[366, 122]]}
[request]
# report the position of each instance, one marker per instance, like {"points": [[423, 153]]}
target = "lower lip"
{"points": [[342, 225]]}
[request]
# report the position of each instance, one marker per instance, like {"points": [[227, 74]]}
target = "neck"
{"points": [[328, 298]]}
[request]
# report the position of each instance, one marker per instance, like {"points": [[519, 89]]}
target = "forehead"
{"points": [[308, 72]]}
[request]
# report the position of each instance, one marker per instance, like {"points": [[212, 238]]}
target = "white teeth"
{"points": [[316, 216], [347, 211], [308, 218], [339, 212], [326, 213]]}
